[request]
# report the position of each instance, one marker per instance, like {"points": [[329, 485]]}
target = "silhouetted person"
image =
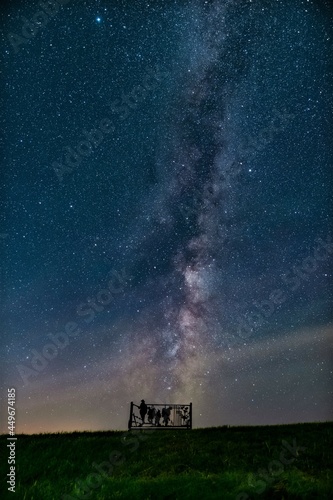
{"points": [[151, 414], [143, 410], [166, 415], [157, 418], [185, 416]]}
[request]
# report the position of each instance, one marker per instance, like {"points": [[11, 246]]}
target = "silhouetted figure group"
{"points": [[173, 416], [155, 416]]}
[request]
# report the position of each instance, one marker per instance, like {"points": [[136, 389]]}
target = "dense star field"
{"points": [[166, 210]]}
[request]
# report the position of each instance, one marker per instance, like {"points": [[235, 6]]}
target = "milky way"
{"points": [[187, 250]]}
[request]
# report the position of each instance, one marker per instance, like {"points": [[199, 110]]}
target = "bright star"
{"points": [[98, 19]]}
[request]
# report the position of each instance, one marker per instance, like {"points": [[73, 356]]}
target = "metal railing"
{"points": [[160, 416]]}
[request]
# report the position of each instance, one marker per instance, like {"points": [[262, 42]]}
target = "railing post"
{"points": [[190, 415], [130, 417]]}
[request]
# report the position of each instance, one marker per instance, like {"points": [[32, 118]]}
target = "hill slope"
{"points": [[293, 461]]}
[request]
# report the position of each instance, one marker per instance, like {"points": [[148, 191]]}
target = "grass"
{"points": [[214, 463]]}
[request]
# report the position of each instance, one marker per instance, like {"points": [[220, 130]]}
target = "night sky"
{"points": [[166, 210]]}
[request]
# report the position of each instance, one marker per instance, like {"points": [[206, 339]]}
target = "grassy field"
{"points": [[271, 462]]}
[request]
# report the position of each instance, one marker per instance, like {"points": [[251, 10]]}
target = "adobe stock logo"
{"points": [[247, 323], [123, 107], [41, 18], [74, 157], [84, 488], [39, 360], [266, 477]]}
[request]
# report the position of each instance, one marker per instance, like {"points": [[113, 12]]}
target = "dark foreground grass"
{"points": [[271, 462]]}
